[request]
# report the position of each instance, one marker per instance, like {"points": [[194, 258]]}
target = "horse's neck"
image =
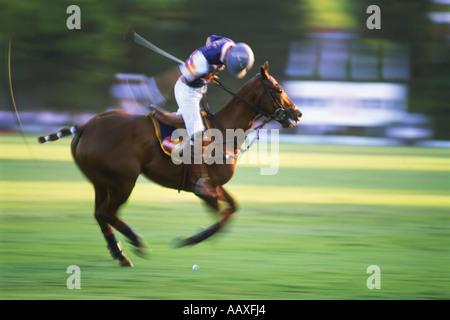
{"points": [[236, 114]]}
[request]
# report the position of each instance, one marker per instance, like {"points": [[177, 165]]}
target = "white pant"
{"points": [[188, 100]]}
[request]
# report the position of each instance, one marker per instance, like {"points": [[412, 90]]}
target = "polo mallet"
{"points": [[130, 34]]}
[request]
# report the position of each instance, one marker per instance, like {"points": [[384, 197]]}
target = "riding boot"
{"points": [[203, 186]]}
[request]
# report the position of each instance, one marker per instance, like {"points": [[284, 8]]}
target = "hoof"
{"points": [[143, 251], [175, 243], [126, 263], [141, 248]]}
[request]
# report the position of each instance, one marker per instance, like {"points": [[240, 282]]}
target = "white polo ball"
{"points": [[195, 267]]}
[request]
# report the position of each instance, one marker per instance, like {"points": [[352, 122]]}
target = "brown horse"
{"points": [[114, 148]]}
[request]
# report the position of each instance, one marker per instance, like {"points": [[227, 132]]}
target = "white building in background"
{"points": [[347, 85], [135, 92]]}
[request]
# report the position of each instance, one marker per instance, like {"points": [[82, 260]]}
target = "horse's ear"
{"points": [[264, 70]]}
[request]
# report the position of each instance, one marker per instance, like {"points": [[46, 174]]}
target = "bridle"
{"points": [[279, 114]]}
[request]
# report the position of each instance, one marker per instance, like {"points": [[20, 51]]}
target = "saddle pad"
{"points": [[164, 132]]}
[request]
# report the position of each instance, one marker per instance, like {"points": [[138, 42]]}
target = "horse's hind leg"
{"points": [[102, 208], [107, 202]]}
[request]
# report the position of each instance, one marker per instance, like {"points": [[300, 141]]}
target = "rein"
{"points": [[279, 114], [205, 107]]}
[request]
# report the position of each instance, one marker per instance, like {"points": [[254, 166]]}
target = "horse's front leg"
{"points": [[226, 197], [224, 216]]}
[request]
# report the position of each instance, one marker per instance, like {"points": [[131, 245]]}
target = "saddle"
{"points": [[167, 118], [166, 123]]}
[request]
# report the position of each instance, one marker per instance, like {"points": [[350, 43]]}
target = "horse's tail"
{"points": [[61, 133]]}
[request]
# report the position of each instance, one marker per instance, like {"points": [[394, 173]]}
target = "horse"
{"points": [[115, 147]]}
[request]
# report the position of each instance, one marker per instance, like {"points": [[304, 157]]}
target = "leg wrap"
{"points": [[113, 246], [123, 228]]}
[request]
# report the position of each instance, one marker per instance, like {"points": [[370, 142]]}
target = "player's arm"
{"points": [[213, 38]]}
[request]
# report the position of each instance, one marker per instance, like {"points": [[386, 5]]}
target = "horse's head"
{"points": [[275, 103]]}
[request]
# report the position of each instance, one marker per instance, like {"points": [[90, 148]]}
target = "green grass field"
{"points": [[308, 232]]}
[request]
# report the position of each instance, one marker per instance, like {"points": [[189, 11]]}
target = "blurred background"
{"points": [[308, 232], [392, 83]]}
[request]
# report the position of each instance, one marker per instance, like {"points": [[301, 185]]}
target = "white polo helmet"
{"points": [[240, 59]]}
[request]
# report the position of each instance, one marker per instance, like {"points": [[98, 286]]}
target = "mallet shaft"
{"points": [[145, 43]]}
